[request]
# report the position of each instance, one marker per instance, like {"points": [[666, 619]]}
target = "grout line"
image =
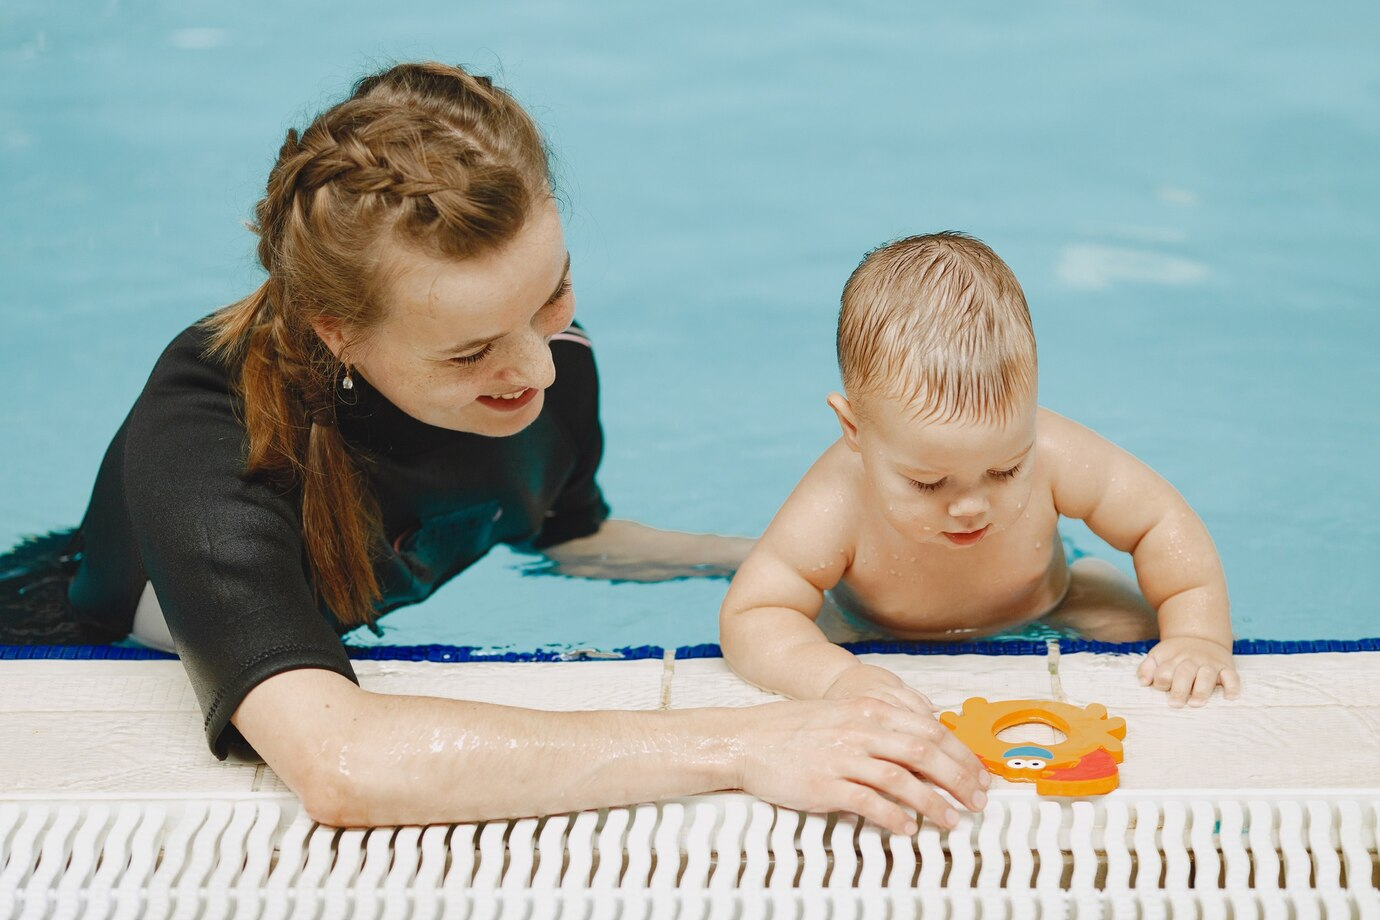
{"points": [[668, 673], [1056, 686]]}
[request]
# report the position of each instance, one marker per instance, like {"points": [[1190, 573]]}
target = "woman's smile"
{"points": [[509, 402]]}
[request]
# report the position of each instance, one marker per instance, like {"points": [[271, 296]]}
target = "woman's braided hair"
{"points": [[423, 155]]}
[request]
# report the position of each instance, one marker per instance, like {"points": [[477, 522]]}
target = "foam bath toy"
{"points": [[1084, 763]]}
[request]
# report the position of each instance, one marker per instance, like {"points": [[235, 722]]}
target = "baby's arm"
{"points": [[767, 623], [1135, 510]]}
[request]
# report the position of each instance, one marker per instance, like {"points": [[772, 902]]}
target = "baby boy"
{"points": [[935, 515]]}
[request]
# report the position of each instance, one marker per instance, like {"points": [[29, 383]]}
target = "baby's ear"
{"points": [[847, 420]]}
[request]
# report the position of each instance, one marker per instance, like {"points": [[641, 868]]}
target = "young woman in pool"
{"points": [[405, 390]]}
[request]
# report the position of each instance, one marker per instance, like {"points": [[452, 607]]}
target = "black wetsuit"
{"points": [[224, 554]]}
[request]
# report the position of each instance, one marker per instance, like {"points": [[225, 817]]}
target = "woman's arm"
{"points": [[629, 551], [361, 758]]}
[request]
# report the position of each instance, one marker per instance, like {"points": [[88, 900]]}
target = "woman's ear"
{"points": [[331, 333], [847, 420]]}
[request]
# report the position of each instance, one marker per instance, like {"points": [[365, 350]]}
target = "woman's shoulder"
{"points": [[191, 348], [576, 390], [573, 349], [187, 382]]}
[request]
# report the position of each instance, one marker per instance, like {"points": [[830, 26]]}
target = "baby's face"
{"points": [[948, 483]]}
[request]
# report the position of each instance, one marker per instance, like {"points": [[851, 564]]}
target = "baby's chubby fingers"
{"points": [[1146, 672], [1188, 668], [1231, 683], [1162, 678], [915, 701], [1181, 682], [1203, 684], [901, 698]]}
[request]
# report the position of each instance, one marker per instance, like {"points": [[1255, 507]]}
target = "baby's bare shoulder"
{"points": [[834, 478], [1081, 465], [1061, 440], [823, 506]]}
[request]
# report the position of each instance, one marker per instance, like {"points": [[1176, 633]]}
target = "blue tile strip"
{"points": [[465, 653]]}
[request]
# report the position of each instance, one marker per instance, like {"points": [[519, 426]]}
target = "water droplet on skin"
{"points": [[912, 558], [1037, 544]]}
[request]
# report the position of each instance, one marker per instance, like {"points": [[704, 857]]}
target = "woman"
{"points": [[405, 390]]}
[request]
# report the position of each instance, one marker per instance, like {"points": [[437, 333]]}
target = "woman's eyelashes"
{"points": [[472, 359]]}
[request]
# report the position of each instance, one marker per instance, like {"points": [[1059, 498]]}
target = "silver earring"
{"points": [[349, 382]]}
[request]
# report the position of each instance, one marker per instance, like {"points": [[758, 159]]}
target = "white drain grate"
{"points": [[1211, 855]]}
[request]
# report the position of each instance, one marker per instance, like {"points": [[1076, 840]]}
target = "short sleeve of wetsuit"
{"points": [[224, 554], [579, 508]]}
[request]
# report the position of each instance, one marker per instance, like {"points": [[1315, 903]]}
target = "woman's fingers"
{"points": [[931, 731], [901, 785], [863, 755], [871, 805], [923, 746], [1231, 683]]}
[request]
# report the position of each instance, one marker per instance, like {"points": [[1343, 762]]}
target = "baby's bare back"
{"points": [[923, 590]]}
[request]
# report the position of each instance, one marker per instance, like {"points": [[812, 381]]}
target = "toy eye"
{"points": [[1016, 763], [1035, 764]]}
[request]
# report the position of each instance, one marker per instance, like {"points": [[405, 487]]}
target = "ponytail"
{"points": [[420, 155], [293, 441]]}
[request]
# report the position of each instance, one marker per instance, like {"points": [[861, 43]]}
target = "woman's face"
{"points": [[465, 345]]}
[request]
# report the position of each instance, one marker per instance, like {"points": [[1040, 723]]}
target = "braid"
{"points": [[424, 155]]}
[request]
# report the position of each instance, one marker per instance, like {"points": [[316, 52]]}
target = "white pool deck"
{"points": [[111, 805], [1305, 722]]}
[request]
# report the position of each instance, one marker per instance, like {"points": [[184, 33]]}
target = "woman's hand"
{"points": [[629, 551], [861, 755], [865, 681], [1189, 669]]}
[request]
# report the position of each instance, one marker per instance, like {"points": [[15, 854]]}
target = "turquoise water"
{"points": [[1190, 195]]}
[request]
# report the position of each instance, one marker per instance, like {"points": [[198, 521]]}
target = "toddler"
{"points": [[935, 515]]}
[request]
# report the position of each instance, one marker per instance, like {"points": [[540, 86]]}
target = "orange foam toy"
{"points": [[1084, 763]]}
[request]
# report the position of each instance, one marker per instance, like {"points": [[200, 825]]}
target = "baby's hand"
{"points": [[865, 680], [1189, 668]]}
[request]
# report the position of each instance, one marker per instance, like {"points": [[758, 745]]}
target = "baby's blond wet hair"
{"points": [[940, 322]]}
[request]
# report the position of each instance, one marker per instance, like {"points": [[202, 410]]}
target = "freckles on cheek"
{"points": [[460, 393]]}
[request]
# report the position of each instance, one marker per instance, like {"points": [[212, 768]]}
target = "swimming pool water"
{"points": [[1191, 198]]}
